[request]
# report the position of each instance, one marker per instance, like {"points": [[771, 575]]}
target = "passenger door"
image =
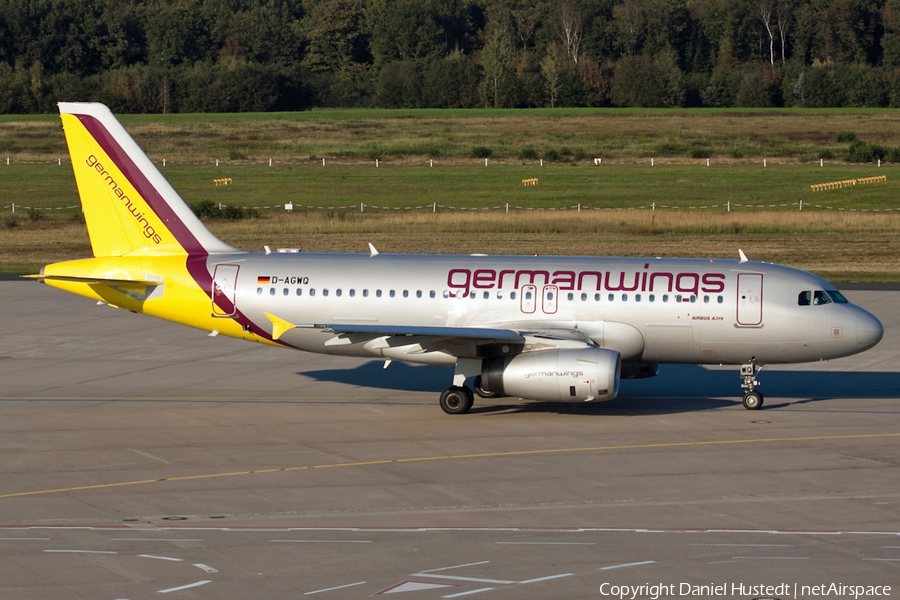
{"points": [[749, 299], [223, 291]]}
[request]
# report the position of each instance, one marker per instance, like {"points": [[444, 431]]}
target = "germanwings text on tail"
{"points": [[558, 329]]}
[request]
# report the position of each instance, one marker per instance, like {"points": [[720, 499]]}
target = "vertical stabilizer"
{"points": [[129, 207]]}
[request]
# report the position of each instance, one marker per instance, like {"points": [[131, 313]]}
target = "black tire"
{"points": [[753, 401], [481, 391], [457, 400]]}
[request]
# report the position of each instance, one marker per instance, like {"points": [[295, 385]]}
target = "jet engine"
{"points": [[560, 375]]}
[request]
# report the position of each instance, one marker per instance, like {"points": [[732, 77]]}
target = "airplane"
{"points": [[556, 329]]}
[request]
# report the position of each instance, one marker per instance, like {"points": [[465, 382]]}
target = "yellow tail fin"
{"points": [[129, 207]]}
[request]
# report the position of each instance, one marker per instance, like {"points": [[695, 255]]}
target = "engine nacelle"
{"points": [[639, 370], [562, 375]]}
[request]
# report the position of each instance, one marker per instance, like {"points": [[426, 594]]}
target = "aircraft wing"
{"points": [[466, 333]]}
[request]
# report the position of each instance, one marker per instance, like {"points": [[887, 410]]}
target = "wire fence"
{"points": [[435, 207]]}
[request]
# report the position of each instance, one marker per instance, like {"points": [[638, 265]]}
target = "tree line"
{"points": [[160, 56]]}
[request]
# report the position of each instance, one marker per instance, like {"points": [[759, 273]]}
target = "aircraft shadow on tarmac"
{"points": [[677, 388]]}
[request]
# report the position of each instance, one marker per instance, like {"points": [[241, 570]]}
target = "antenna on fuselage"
{"points": [[372, 250], [743, 256]]}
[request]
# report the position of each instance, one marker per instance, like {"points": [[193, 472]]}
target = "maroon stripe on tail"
{"points": [[143, 186]]}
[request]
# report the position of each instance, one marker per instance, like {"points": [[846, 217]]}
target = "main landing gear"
{"points": [[457, 399], [753, 400]]}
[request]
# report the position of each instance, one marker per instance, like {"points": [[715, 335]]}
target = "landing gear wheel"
{"points": [[457, 400], [753, 401], [481, 391]]}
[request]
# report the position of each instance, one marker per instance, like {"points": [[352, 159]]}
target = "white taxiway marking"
{"points": [[83, 551], [458, 578], [634, 564], [547, 578], [321, 541], [771, 557], [154, 540], [206, 568], [484, 562], [150, 456], [161, 557], [469, 593], [548, 543], [45, 539], [884, 559], [185, 587], [748, 545], [340, 587]]}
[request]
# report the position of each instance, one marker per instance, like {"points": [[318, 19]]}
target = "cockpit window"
{"points": [[820, 297], [805, 298], [836, 296]]}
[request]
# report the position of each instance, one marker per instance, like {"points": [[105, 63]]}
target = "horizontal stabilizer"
{"points": [[139, 280]]}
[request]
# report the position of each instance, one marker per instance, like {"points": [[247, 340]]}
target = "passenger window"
{"points": [[596, 297], [378, 293], [693, 298], [431, 294], [325, 292], [406, 293], [652, 298], [804, 298], [583, 297], [721, 299], [312, 292], [365, 293], [338, 292], [528, 295], [820, 297], [471, 295], [637, 297], [549, 295], [446, 293], [512, 295], [299, 291], [612, 297], [285, 292], [705, 299], [392, 293], [271, 291], [487, 295], [259, 291], [624, 297], [678, 298], [499, 295], [352, 293], [665, 297], [571, 296]]}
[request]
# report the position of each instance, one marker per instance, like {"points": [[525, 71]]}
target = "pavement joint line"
{"points": [[454, 457], [634, 564]]}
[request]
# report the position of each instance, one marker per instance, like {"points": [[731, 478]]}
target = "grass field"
{"points": [[569, 134], [399, 195]]}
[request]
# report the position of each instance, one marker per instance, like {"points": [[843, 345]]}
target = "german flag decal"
{"points": [[263, 279]]}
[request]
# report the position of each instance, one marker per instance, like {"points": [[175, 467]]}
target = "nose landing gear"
{"points": [[753, 400]]}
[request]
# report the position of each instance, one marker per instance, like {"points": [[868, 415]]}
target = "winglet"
{"points": [[743, 256], [279, 326], [372, 250]]}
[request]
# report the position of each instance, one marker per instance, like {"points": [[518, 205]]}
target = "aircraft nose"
{"points": [[869, 331]]}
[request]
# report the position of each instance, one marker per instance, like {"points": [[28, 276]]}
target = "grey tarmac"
{"points": [[143, 459]]}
